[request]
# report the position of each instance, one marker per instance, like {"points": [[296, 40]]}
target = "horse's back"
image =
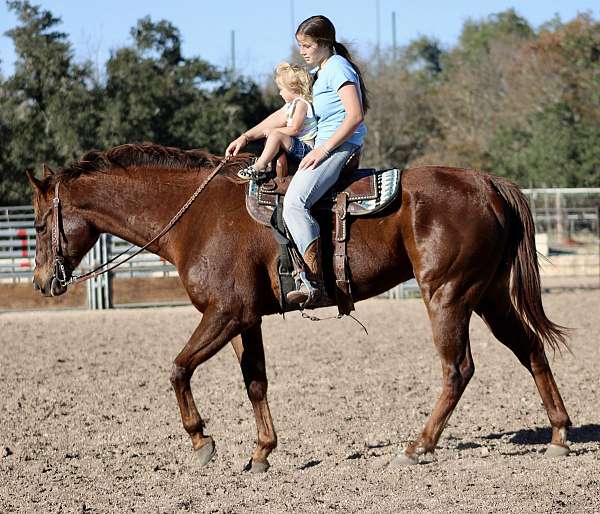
{"points": [[448, 194]]}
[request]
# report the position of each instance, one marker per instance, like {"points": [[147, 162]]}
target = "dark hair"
{"points": [[322, 31]]}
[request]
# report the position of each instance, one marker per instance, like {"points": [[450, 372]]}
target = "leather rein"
{"points": [[60, 274]]}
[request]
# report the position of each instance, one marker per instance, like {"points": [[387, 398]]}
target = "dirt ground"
{"points": [[89, 422]]}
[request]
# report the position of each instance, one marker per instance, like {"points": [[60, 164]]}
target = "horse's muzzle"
{"points": [[52, 287], [56, 288]]}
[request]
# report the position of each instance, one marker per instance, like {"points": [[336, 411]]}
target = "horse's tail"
{"points": [[525, 287]]}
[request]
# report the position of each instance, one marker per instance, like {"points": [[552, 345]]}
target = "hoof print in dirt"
{"points": [[310, 464], [353, 456]]}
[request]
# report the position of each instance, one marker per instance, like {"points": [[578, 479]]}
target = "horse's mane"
{"points": [[144, 155]]}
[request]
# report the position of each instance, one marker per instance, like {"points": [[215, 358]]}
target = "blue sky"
{"points": [[264, 30]]}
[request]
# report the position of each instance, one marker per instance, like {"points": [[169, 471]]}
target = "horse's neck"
{"points": [[132, 207]]}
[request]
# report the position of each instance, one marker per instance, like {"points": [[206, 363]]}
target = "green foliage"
{"points": [[427, 53], [520, 103], [48, 106], [52, 110], [555, 150], [477, 37], [400, 121], [154, 94]]}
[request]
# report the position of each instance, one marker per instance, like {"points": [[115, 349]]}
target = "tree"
{"points": [[155, 94], [478, 37], [48, 107], [553, 108], [400, 122], [469, 93]]}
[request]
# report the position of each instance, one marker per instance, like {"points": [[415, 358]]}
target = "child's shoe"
{"points": [[251, 173]]}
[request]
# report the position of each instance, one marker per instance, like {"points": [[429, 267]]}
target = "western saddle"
{"points": [[358, 192]]}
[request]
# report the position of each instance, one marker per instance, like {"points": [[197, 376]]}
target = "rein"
{"points": [[60, 274]]}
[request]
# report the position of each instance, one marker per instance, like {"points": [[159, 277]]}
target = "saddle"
{"points": [[358, 192]]}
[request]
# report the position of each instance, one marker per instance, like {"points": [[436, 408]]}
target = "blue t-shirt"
{"points": [[327, 104]]}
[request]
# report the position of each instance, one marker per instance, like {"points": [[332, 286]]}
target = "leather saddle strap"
{"points": [[340, 259], [285, 266]]}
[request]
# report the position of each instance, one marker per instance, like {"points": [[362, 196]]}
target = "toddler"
{"points": [[293, 127]]}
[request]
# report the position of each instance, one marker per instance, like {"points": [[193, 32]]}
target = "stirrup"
{"points": [[305, 294], [251, 173]]}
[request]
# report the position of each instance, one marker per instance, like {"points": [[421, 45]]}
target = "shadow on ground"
{"points": [[583, 434]]}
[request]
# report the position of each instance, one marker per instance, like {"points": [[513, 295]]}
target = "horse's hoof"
{"points": [[255, 466], [403, 459], [204, 454], [557, 450]]}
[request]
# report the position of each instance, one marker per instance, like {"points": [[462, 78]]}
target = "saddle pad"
{"points": [[388, 184], [369, 192]]}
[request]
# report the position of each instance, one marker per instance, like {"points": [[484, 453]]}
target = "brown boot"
{"points": [[313, 273]]}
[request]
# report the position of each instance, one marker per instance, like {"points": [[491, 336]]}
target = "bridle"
{"points": [[61, 277], [59, 273]]}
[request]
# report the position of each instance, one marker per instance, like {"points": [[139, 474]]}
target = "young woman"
{"points": [[340, 102]]}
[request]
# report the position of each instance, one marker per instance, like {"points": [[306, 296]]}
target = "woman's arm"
{"points": [[275, 120], [297, 120], [348, 94]]}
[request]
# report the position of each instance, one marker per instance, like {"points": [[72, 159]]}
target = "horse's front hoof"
{"points": [[255, 466], [204, 454], [557, 450], [404, 459]]}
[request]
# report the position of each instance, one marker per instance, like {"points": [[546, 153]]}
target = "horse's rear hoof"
{"points": [[557, 450], [204, 454], [403, 459], [255, 466]]}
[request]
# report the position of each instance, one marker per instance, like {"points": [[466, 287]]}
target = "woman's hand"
{"points": [[236, 145], [313, 158]]}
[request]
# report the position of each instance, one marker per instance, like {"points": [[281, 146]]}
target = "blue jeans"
{"points": [[298, 149], [308, 186]]}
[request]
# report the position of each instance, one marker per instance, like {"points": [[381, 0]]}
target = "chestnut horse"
{"points": [[466, 236]]}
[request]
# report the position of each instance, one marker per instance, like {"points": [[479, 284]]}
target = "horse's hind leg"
{"points": [[498, 313], [449, 315], [209, 337], [250, 353]]}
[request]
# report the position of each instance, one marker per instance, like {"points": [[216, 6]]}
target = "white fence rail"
{"points": [[17, 257]]}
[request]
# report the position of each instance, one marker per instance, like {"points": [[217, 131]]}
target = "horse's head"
{"points": [[63, 234]]}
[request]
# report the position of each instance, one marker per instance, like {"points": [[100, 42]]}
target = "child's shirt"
{"points": [[308, 132]]}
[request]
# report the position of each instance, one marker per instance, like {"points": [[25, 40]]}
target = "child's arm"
{"points": [[275, 120], [297, 120]]}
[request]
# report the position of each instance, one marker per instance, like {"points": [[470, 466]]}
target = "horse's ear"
{"points": [[33, 181], [47, 171]]}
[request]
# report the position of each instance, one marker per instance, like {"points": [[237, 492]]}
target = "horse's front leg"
{"points": [[251, 355], [214, 331]]}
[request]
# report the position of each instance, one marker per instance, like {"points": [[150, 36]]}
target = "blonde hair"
{"points": [[294, 78]]}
